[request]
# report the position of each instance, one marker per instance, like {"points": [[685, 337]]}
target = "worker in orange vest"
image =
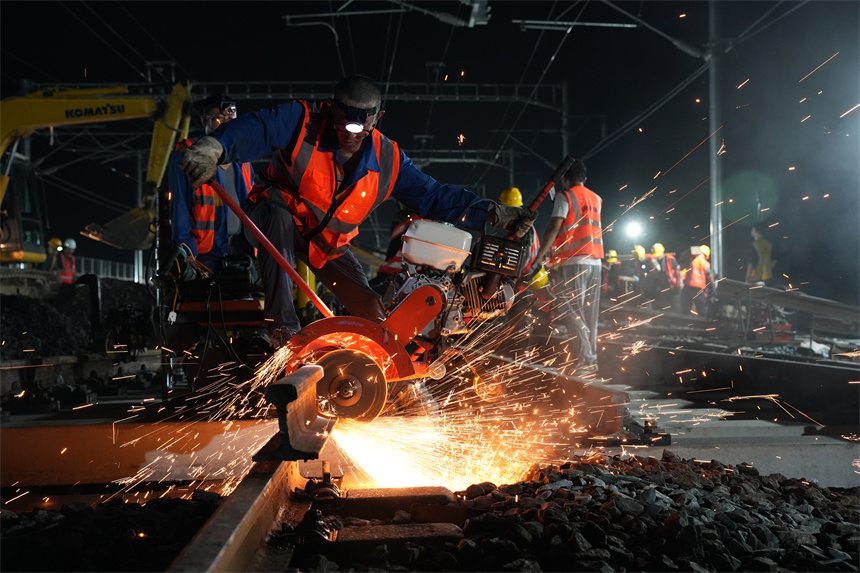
{"points": [[574, 242], [331, 167], [200, 220], [698, 283], [68, 266]]}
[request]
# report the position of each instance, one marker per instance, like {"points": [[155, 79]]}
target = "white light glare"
{"points": [[634, 229]]}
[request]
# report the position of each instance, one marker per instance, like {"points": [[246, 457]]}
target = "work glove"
{"points": [[515, 219], [201, 160]]}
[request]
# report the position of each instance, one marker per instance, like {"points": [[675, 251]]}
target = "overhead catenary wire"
{"points": [[97, 35], [436, 80], [156, 42], [536, 85], [27, 62], [745, 35], [85, 194], [621, 131]]}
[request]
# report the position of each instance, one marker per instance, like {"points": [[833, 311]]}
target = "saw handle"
{"points": [[553, 179], [491, 283], [267, 244]]}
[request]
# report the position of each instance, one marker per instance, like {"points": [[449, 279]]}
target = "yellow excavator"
{"points": [[21, 237]]}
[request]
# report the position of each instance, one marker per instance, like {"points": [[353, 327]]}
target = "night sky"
{"points": [[787, 119]]}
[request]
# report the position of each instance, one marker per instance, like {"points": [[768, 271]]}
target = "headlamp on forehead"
{"points": [[228, 106], [356, 117]]}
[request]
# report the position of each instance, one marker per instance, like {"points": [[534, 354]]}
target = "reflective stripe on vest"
{"points": [[326, 216], [580, 232], [698, 277], [67, 269], [204, 206]]}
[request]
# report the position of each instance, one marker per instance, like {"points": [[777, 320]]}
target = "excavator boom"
{"points": [[56, 107]]}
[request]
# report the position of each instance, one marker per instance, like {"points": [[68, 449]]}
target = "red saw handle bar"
{"points": [[326, 312], [553, 179]]}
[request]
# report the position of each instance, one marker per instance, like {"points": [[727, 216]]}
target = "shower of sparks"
{"points": [[232, 394], [849, 111], [682, 197], [691, 151], [638, 200], [819, 65]]}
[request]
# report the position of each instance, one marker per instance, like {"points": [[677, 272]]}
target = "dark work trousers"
{"points": [[578, 288], [343, 276], [238, 248]]}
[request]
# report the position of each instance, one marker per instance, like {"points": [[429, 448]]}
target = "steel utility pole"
{"points": [[713, 145]]}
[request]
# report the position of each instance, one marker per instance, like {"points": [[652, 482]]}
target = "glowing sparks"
{"points": [[849, 111], [819, 65], [692, 150]]}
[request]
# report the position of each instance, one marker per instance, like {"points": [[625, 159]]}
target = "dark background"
{"points": [[613, 75]]}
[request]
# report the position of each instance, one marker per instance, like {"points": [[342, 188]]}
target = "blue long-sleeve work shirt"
{"points": [[257, 134], [182, 201]]}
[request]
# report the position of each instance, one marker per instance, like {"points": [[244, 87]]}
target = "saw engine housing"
{"points": [[437, 261]]}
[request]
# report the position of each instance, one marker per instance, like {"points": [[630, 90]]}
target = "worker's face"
{"points": [[348, 140], [214, 117]]}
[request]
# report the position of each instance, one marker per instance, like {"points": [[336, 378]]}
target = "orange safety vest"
{"points": [[671, 270], [326, 216], [580, 233], [698, 275], [203, 208], [67, 269]]}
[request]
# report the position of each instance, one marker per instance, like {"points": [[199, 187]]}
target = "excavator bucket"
{"points": [[130, 231]]}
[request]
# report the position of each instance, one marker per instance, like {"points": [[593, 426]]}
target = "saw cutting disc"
{"points": [[353, 386]]}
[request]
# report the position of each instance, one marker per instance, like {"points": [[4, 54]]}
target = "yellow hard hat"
{"points": [[657, 249], [56, 243], [706, 250], [639, 250], [539, 279], [611, 256], [511, 197]]}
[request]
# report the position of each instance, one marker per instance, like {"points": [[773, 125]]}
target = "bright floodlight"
{"points": [[633, 230]]}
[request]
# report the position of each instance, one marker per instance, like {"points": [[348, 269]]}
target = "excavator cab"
{"points": [[22, 239]]}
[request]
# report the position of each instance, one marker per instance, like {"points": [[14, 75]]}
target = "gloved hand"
{"points": [[201, 160], [510, 218]]}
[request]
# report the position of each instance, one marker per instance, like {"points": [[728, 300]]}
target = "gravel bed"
{"points": [[636, 513], [112, 536]]}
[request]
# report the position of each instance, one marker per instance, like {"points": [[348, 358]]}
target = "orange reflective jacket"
{"points": [[205, 204], [67, 269], [581, 232], [328, 217], [698, 275]]}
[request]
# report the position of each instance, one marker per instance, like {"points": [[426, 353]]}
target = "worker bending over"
{"points": [[331, 167]]}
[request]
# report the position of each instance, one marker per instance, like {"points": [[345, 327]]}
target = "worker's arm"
{"points": [[254, 135], [433, 200], [181, 196], [549, 235]]}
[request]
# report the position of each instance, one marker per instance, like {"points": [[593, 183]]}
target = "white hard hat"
{"points": [[70, 244]]}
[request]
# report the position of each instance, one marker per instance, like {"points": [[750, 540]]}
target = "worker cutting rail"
{"points": [[331, 167]]}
